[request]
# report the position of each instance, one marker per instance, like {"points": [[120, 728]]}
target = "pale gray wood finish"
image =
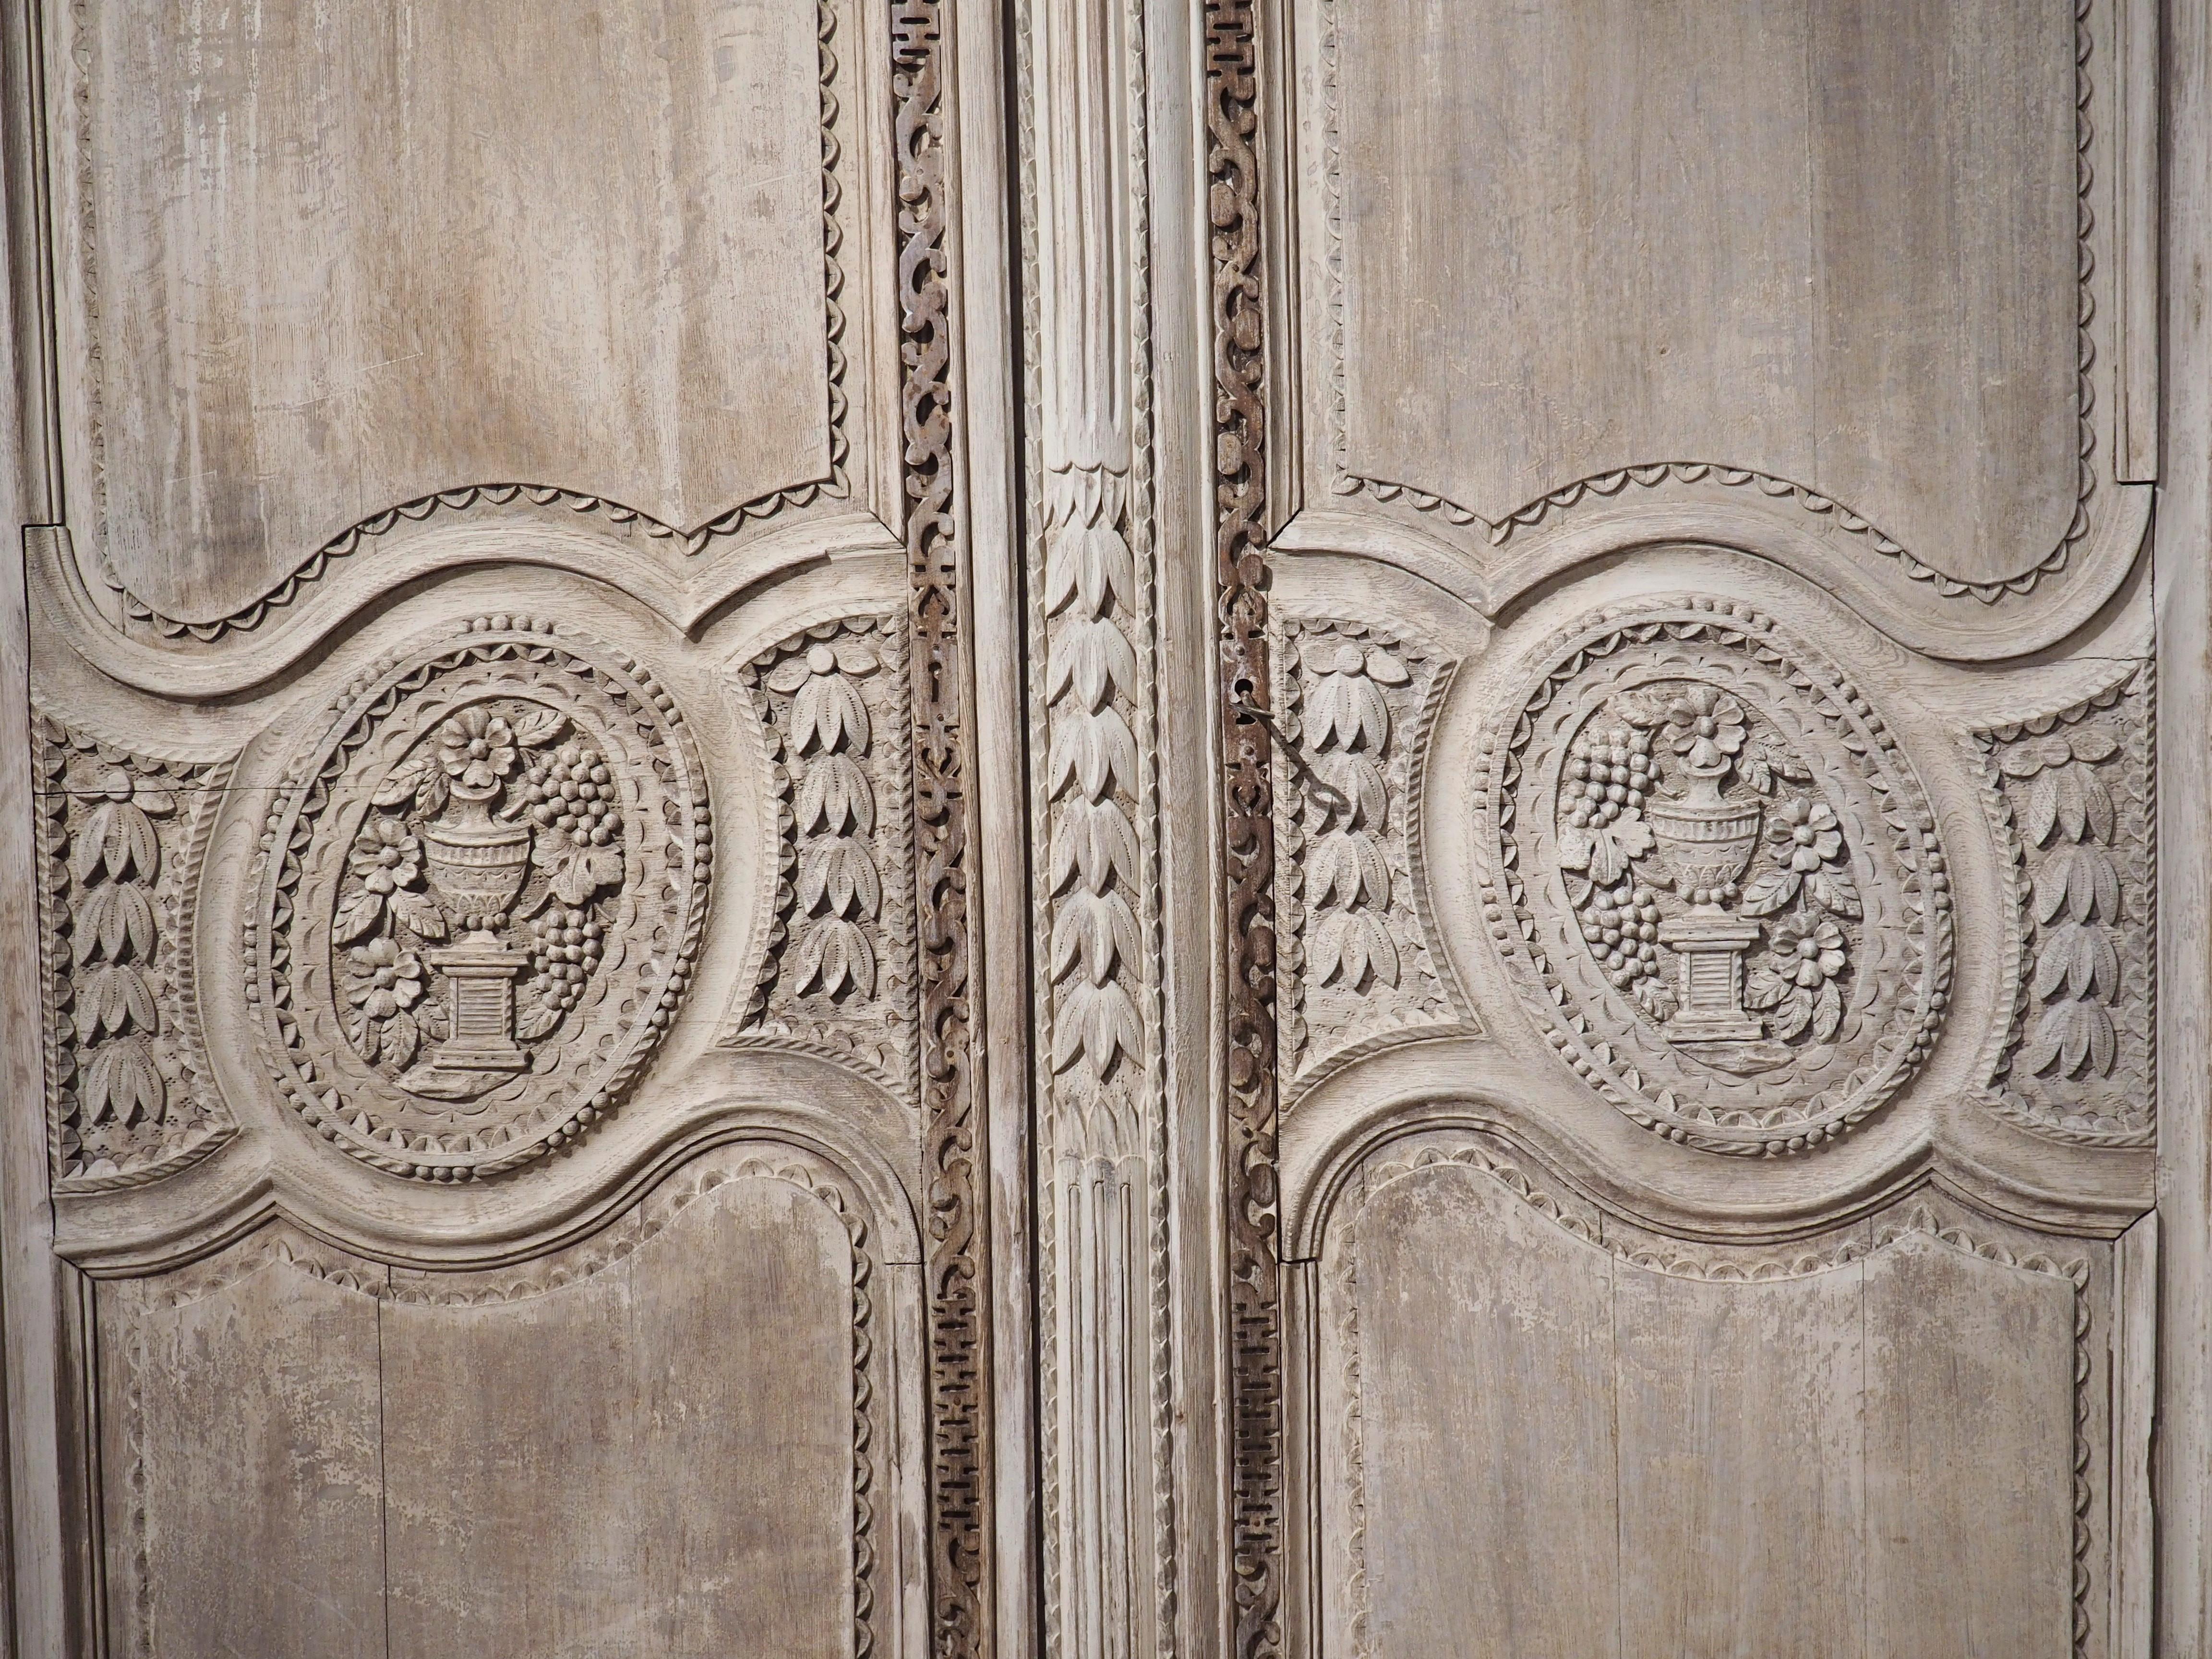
{"points": [[1533, 1445], [377, 254], [242, 1414], [1760, 235], [1788, 318], [643, 1459]]}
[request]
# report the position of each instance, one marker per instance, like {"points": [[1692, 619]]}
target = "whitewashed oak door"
{"points": [[1335, 829]]}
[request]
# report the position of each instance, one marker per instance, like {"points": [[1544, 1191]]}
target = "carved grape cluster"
{"points": [[565, 945], [572, 793], [1608, 774], [1622, 926]]}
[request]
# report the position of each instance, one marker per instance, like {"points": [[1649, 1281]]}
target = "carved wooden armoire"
{"points": [[1097, 830]]}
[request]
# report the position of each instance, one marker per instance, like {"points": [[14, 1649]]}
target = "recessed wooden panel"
{"points": [[1970, 1413], [1743, 1505], [339, 259], [243, 1466], [1474, 1340], [1834, 241], [655, 1456], [1532, 1444]]}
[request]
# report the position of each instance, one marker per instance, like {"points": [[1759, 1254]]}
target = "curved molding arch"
{"points": [[228, 1198], [1778, 532], [65, 608], [1401, 1092]]}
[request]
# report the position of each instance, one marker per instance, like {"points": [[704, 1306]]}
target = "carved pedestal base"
{"points": [[481, 972], [1712, 949]]}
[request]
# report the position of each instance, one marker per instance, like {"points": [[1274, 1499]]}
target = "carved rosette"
{"points": [[1713, 874], [837, 973], [1355, 701], [479, 896], [2073, 800], [120, 840]]}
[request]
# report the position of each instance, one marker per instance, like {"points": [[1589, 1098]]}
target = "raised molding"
{"points": [[1704, 488]]}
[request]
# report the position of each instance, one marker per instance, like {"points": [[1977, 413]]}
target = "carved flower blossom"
{"points": [[384, 856], [1705, 727], [1808, 950], [477, 750], [1805, 833], [391, 978]]}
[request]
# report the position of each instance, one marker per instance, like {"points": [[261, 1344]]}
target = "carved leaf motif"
{"points": [[1097, 1023], [1764, 987], [1090, 561], [2079, 881], [1827, 1012], [2091, 743], [827, 711], [119, 836], [1094, 840], [114, 923], [833, 957], [400, 786], [401, 1038], [1357, 783], [1097, 753], [1832, 891], [1096, 930], [1347, 867], [1614, 845], [2072, 1036], [840, 877], [1769, 893], [1094, 657], [2097, 804], [537, 726], [1350, 946], [1348, 711], [835, 798], [356, 917], [577, 878], [421, 914], [1386, 670], [121, 1081], [1793, 1014], [2026, 760], [2079, 959], [117, 998]]}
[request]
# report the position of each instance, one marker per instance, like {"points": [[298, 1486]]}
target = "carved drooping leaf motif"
{"points": [[119, 841], [479, 836], [837, 954], [2073, 794], [1761, 935], [1354, 700]]}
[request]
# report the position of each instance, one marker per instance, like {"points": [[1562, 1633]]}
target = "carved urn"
{"points": [[475, 864]]}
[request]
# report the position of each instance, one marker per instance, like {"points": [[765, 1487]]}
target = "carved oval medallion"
{"points": [[1712, 869], [480, 891]]}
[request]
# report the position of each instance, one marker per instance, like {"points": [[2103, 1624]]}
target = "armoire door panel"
{"points": [[1515, 659]]}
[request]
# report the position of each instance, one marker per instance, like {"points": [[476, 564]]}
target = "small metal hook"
{"points": [[1318, 789]]}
